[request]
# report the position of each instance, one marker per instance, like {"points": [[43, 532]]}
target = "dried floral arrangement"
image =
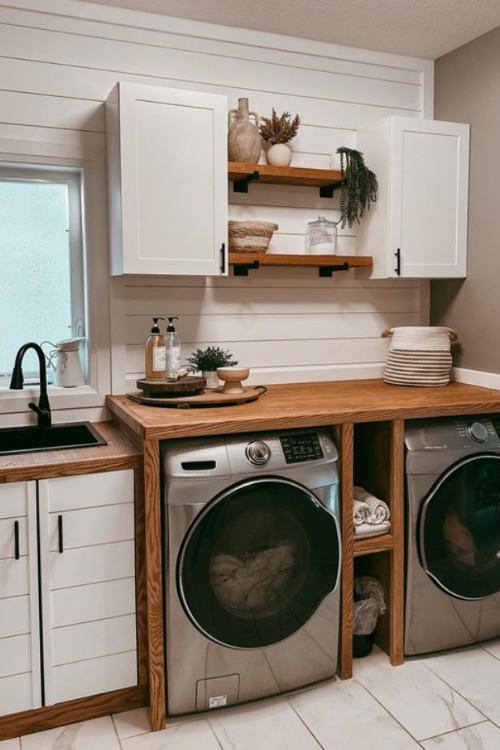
{"points": [[281, 129], [359, 188]]}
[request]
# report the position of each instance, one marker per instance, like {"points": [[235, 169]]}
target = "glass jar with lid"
{"points": [[321, 237]]}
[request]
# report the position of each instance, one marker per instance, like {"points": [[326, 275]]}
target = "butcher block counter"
{"points": [[307, 405]]}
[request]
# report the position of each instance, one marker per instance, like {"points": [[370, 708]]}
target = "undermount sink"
{"points": [[56, 437]]}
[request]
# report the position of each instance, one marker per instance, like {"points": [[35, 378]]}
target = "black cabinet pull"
{"points": [[17, 553], [398, 261], [223, 258], [60, 533]]}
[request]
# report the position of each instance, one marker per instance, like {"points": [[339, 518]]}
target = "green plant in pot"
{"points": [[359, 188], [277, 132], [208, 360]]}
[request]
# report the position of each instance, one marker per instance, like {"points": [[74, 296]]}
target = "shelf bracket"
{"points": [[241, 186], [325, 271], [242, 269]]}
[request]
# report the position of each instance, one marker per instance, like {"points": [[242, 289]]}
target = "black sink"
{"points": [[56, 437]]}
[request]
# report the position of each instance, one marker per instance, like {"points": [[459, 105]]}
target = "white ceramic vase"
{"points": [[279, 155], [213, 381]]}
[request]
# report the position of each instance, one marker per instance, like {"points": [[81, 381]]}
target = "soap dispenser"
{"points": [[155, 353], [172, 349]]}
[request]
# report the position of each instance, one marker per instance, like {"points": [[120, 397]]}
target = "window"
{"points": [[42, 279]]}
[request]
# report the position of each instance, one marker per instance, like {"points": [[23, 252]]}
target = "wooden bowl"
{"points": [[232, 377]]}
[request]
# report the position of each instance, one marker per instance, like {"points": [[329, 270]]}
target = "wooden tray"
{"points": [[207, 398], [187, 386]]}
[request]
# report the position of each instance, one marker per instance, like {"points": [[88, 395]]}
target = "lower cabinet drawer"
{"points": [[94, 676]]}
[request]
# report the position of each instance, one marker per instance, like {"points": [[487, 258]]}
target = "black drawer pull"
{"points": [[17, 553], [60, 533], [397, 270], [223, 258]]}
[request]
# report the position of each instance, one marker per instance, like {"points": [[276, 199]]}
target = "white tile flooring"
{"points": [[446, 702]]}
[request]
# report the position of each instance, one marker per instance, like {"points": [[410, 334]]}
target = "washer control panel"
{"points": [[304, 446]]}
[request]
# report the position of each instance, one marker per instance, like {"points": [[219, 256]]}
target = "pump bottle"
{"points": [[172, 349], [155, 353]]}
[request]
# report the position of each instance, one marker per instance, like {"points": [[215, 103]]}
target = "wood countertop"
{"points": [[307, 405], [119, 453]]}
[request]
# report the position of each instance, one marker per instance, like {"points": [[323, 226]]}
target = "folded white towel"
{"points": [[378, 510], [361, 512], [372, 529]]}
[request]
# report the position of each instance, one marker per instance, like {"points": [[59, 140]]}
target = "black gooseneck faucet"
{"points": [[17, 381]]}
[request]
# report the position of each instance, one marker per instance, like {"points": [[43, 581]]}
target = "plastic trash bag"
{"points": [[369, 604]]}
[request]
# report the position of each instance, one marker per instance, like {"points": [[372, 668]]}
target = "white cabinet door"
{"points": [[20, 678], [418, 228], [88, 584], [167, 178]]}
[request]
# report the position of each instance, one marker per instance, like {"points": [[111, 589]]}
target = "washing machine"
{"points": [[252, 566], [453, 533]]}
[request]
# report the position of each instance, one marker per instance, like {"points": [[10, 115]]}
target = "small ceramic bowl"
{"points": [[232, 377]]}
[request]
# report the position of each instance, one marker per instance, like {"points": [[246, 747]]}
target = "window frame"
{"points": [[73, 179], [54, 148]]}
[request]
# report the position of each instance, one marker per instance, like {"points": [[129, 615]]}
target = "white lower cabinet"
{"points": [[20, 672], [86, 584]]}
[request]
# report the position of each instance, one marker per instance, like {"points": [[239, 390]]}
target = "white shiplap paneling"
{"points": [[57, 66]]}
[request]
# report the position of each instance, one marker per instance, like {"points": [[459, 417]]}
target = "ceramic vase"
{"points": [[212, 380], [244, 139], [279, 155]]}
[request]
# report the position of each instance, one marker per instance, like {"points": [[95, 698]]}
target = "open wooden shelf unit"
{"points": [[243, 262], [324, 179]]}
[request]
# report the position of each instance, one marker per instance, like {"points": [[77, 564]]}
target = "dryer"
{"points": [[453, 533], [252, 566]]}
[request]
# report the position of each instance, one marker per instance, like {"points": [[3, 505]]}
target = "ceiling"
{"points": [[420, 28]]}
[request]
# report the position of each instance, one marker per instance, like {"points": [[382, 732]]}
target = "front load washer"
{"points": [[252, 566], [453, 533]]}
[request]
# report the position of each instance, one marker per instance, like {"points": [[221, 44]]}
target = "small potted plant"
{"points": [[208, 360], [358, 190], [277, 132]]}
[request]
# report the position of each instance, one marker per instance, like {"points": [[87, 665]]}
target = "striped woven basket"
{"points": [[419, 355]]}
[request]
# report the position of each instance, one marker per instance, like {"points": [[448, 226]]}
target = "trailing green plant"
{"points": [[209, 359], [359, 188], [276, 129]]}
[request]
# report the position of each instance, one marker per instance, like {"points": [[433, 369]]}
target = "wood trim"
{"points": [[396, 573], [154, 584], [279, 259], [81, 709], [345, 436], [373, 544], [140, 579], [305, 177]]}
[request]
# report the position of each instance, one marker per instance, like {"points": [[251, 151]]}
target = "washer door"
{"points": [[459, 529], [257, 562]]}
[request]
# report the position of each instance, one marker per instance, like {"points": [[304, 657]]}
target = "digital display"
{"points": [[303, 447]]}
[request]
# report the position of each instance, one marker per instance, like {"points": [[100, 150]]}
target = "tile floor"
{"points": [[446, 702]]}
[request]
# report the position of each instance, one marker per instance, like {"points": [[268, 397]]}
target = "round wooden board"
{"points": [[207, 398], [189, 385]]}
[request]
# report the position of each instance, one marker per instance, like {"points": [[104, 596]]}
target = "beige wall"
{"points": [[467, 89]]}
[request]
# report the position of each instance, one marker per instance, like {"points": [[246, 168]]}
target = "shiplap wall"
{"points": [[58, 62]]}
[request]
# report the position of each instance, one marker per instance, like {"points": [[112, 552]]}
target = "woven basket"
{"points": [[419, 355], [250, 236]]}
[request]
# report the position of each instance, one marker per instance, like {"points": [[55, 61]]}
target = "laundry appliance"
{"points": [[252, 566], [453, 533]]}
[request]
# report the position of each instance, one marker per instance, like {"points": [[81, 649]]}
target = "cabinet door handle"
{"points": [[60, 534], [17, 553], [397, 270], [223, 258]]}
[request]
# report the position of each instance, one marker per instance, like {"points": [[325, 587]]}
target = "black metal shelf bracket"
{"points": [[326, 191], [325, 271], [241, 186], [242, 269]]}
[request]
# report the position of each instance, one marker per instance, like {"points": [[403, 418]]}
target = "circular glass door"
{"points": [[459, 529], [257, 562]]}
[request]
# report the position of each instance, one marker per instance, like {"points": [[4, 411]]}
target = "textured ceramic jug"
{"points": [[244, 141]]}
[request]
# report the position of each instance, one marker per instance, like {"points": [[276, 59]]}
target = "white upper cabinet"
{"points": [[167, 180], [418, 227]]}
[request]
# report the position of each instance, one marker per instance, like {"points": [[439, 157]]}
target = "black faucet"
{"points": [[17, 381]]}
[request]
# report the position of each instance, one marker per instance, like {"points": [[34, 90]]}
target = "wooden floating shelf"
{"points": [[371, 544], [324, 179], [327, 264]]}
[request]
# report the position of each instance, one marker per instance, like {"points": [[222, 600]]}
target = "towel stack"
{"points": [[371, 515]]}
